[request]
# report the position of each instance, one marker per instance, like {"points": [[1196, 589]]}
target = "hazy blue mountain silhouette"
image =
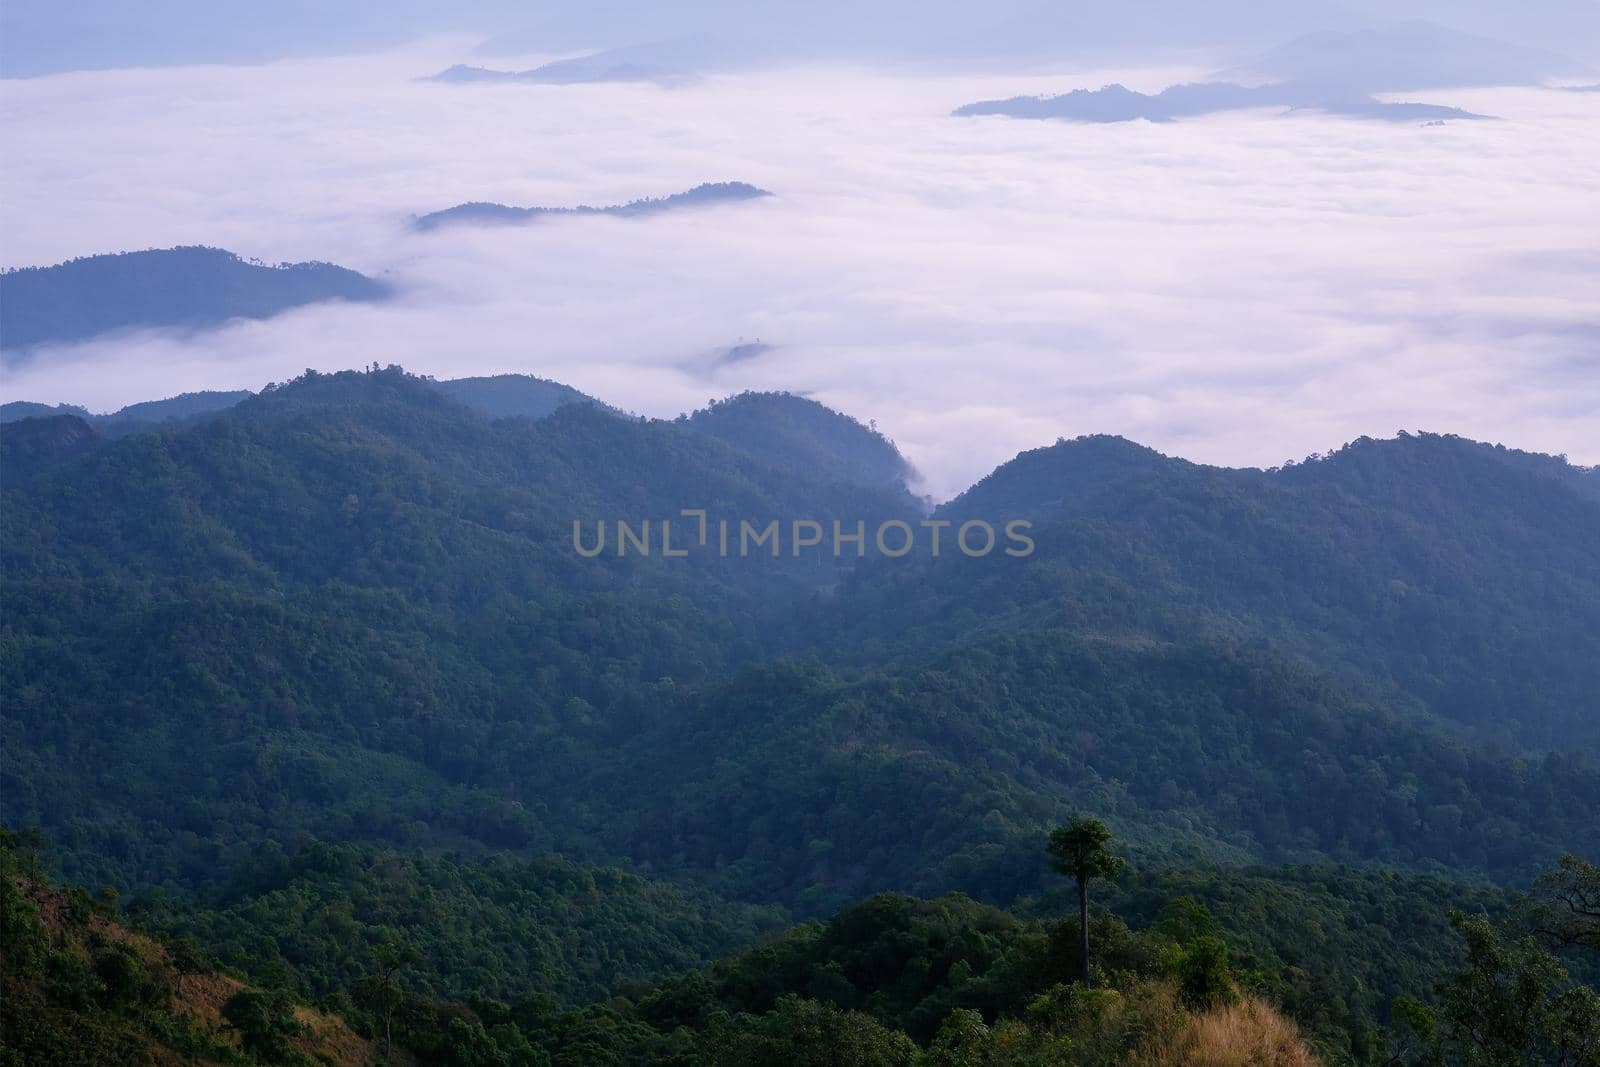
{"points": [[1117, 103], [1413, 55], [38, 37], [17, 410], [180, 409], [663, 62], [173, 411], [744, 350], [485, 213], [1330, 71], [190, 287]]}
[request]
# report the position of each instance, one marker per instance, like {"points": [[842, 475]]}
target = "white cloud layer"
{"points": [[1240, 289]]}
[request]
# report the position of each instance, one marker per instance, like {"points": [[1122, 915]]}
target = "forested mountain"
{"points": [[17, 410], [173, 287], [378, 585], [505, 396], [175, 410], [265, 668], [319, 918], [802, 435], [34, 443], [352, 606], [1414, 569], [185, 407]]}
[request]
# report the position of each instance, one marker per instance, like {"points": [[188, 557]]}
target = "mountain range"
{"points": [[1374, 588], [1334, 72], [498, 396], [39, 38], [672, 62], [349, 613], [1402, 57], [1117, 103]]}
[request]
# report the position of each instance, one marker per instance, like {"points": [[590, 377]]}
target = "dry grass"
{"points": [[1249, 1033], [327, 1039]]}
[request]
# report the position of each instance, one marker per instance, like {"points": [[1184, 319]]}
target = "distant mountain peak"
{"points": [[798, 431], [671, 62], [1043, 480], [1403, 56], [517, 395]]}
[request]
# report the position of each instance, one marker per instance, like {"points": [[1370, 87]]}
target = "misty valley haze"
{"points": [[566, 534], [908, 255]]}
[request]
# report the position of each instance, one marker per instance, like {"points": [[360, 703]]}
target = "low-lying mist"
{"points": [[1241, 288]]}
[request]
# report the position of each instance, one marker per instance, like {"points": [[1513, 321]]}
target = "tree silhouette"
{"points": [[1079, 850]]}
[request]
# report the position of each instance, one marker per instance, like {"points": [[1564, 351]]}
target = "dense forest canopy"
{"points": [[315, 678]]}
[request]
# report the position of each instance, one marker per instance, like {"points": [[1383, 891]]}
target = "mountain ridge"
{"points": [[1117, 103], [488, 213], [365, 520], [93, 296]]}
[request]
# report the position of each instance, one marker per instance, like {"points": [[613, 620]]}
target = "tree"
{"points": [[1565, 904], [962, 1041], [1514, 1004], [1079, 850], [265, 1022], [381, 991], [1203, 977]]}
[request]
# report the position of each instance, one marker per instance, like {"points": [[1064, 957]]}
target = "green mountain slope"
{"points": [[503, 396], [496, 928], [352, 606], [1458, 580], [799, 434], [362, 599], [792, 778], [327, 664]]}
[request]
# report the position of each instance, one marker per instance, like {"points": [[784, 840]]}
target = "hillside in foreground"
{"points": [[81, 988], [893, 981]]}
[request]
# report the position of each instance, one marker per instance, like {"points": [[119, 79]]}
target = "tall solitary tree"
{"points": [[381, 991], [1081, 851]]}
